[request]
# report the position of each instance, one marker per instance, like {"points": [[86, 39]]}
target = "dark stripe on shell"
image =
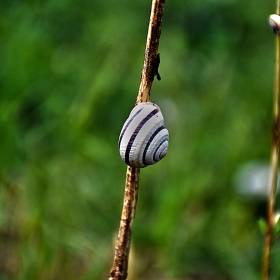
{"points": [[128, 123], [135, 133], [165, 140], [149, 143]]}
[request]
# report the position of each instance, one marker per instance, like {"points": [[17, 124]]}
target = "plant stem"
{"points": [[151, 53], [274, 164], [120, 264], [122, 248]]}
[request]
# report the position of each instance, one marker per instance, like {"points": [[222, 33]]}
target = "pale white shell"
{"points": [[143, 139], [274, 22]]}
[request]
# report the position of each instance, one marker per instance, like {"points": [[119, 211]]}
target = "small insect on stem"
{"points": [[156, 67]]}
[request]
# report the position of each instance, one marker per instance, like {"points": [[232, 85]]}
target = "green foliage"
{"points": [[277, 229], [262, 226], [69, 77]]}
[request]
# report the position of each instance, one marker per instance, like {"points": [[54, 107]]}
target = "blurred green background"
{"points": [[69, 76]]}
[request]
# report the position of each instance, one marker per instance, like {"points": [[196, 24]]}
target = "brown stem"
{"points": [[120, 265], [150, 69], [151, 53], [274, 166]]}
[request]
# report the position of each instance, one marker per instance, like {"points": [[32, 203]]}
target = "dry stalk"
{"points": [[149, 71], [274, 164]]}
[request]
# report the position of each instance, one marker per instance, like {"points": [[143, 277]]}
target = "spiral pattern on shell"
{"points": [[274, 22], [143, 139]]}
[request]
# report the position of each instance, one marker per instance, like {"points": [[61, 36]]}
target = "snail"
{"points": [[274, 22], [143, 139]]}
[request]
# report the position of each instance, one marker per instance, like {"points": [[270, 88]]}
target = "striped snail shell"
{"points": [[144, 138], [274, 22]]}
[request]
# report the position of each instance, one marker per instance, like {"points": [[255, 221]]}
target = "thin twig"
{"points": [[274, 164], [150, 69], [151, 53]]}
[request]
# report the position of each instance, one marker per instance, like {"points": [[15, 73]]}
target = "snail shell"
{"points": [[274, 22], [144, 138]]}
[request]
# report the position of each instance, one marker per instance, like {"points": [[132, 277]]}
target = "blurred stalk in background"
{"points": [[274, 163]]}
